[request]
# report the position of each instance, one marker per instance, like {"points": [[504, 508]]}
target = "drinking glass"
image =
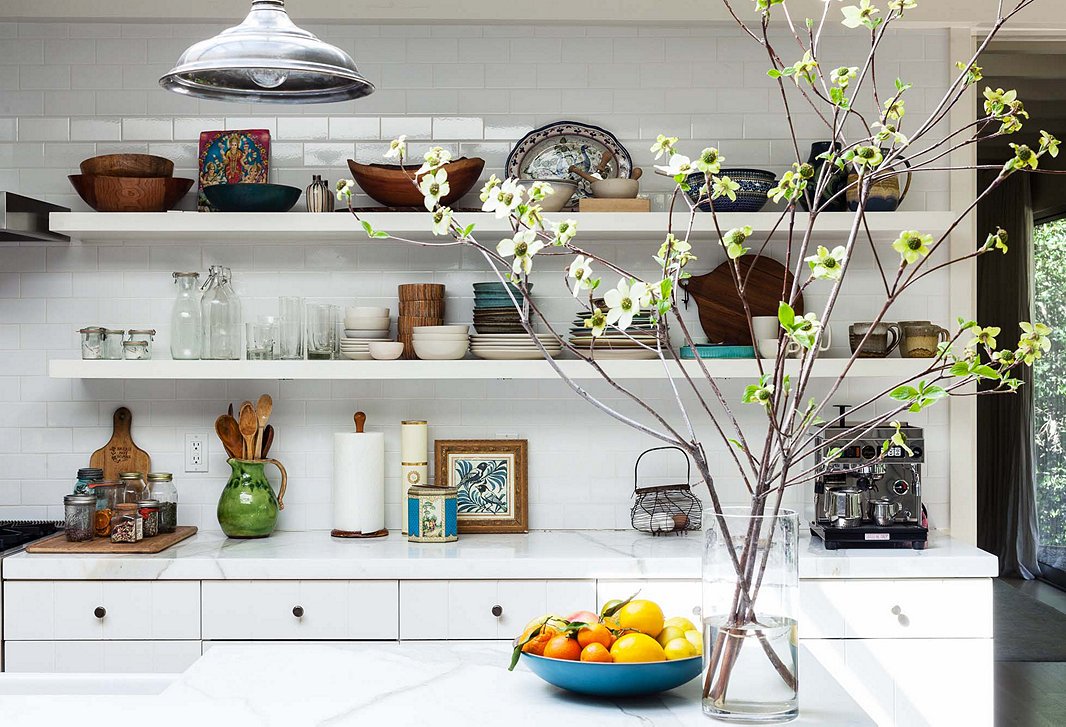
{"points": [[321, 331], [262, 339], [290, 328]]}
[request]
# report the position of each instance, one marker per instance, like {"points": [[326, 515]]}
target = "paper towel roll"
{"points": [[359, 482]]}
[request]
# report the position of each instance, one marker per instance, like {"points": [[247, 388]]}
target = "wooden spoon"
{"points": [[249, 425], [268, 439], [636, 173], [229, 433], [608, 155], [360, 422], [229, 411], [263, 407], [574, 169]]}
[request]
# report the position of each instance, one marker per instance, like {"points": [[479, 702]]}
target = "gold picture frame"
{"points": [[491, 478]]}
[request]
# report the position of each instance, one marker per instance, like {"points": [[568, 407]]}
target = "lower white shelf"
{"points": [[465, 369]]}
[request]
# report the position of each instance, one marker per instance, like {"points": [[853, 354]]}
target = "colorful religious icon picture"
{"points": [[490, 478], [232, 157]]}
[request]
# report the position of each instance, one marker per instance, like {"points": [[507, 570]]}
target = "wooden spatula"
{"points": [[268, 439], [120, 454], [263, 407], [229, 433], [249, 425]]}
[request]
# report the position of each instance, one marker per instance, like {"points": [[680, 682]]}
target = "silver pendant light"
{"points": [[267, 59]]}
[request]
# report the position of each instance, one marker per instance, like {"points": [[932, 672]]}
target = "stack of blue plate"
{"points": [[494, 310]]}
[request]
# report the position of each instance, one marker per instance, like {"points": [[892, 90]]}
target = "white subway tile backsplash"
{"points": [[354, 128], [43, 77], [303, 128]]}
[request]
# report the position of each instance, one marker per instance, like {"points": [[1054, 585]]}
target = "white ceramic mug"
{"points": [[765, 327], [768, 348]]}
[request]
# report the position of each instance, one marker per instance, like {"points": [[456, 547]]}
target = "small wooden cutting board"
{"points": [[120, 454], [58, 544]]}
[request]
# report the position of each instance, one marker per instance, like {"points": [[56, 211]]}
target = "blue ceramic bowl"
{"points": [[496, 287], [615, 680], [252, 197], [751, 197]]}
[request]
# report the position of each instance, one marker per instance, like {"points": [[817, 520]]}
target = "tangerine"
{"points": [[595, 634], [536, 645], [596, 651], [563, 647]]}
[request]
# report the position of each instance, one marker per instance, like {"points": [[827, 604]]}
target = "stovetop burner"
{"points": [[17, 533]]}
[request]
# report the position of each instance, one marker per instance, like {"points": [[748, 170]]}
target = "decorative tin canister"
{"points": [[432, 515]]}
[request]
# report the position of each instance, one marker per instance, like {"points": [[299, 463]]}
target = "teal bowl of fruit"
{"points": [[615, 680]]}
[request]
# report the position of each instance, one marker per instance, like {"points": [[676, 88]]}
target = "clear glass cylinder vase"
{"points": [[750, 607]]}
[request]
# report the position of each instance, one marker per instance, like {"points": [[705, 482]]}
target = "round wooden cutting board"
{"points": [[720, 308]]}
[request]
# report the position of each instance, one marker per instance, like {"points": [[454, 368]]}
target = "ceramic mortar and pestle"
{"points": [[614, 188]]}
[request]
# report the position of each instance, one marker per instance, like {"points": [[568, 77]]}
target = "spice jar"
{"points": [[86, 477], [78, 512], [149, 511], [92, 343], [136, 350], [142, 334], [131, 488], [107, 496], [112, 348], [161, 487], [126, 524], [432, 515]]}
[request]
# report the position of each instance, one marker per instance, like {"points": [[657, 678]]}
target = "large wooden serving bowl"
{"points": [[128, 165], [390, 184], [130, 194]]}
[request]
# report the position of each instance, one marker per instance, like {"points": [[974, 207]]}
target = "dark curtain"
{"points": [[1006, 481]]}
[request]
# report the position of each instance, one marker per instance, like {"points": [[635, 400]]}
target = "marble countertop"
{"points": [[542, 554], [413, 683]]}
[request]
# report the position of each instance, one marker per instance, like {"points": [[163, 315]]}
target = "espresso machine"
{"points": [[866, 498]]}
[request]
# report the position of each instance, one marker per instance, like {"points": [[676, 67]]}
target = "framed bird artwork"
{"points": [[490, 477]]}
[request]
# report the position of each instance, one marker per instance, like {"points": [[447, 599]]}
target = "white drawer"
{"points": [[464, 609], [300, 610], [676, 597], [77, 610], [896, 609], [112, 657]]}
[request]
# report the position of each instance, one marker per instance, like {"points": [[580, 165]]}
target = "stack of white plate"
{"points": [[441, 343], [634, 343], [513, 346], [362, 325]]}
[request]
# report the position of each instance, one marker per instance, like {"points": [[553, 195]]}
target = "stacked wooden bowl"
{"points": [[129, 183], [421, 304]]}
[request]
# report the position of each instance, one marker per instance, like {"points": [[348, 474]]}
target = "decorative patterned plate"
{"points": [[550, 151]]}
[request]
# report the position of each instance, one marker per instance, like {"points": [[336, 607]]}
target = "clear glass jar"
{"points": [[161, 487], [136, 350], [219, 308], [92, 343], [235, 316], [186, 336], [107, 497], [126, 524], [78, 514], [149, 511], [86, 477], [131, 488], [112, 349], [143, 334]]}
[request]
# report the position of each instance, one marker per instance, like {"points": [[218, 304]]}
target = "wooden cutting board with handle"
{"points": [[120, 454], [722, 313]]}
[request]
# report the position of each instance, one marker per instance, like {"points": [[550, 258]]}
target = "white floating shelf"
{"points": [[292, 228], [443, 370]]}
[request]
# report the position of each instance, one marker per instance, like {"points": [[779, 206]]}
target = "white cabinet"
{"points": [[87, 610], [300, 610], [676, 597], [485, 609], [94, 657]]}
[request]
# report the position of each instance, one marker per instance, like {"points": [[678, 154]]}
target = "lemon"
{"points": [[680, 622], [668, 634], [679, 648], [696, 639], [635, 648], [643, 616]]}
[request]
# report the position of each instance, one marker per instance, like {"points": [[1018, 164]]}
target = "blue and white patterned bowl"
{"points": [[751, 197]]}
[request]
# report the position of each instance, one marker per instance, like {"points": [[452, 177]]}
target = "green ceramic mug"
{"points": [[247, 507]]}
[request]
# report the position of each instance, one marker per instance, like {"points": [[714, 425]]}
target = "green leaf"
{"points": [[468, 229], [960, 368], [786, 315], [368, 228], [617, 607], [737, 444], [985, 372], [904, 393], [380, 234], [773, 73]]}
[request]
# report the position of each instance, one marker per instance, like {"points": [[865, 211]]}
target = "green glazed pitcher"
{"points": [[247, 507]]}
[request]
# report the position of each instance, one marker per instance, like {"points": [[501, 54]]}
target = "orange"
{"points": [[596, 652], [563, 647], [643, 616], [536, 645], [595, 634], [637, 648]]}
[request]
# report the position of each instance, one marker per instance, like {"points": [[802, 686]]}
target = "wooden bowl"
{"points": [[128, 165], [421, 291], [422, 308], [390, 184], [130, 194]]}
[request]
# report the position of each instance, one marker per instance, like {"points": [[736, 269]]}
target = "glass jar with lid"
{"points": [[131, 487], [86, 477], [107, 495], [92, 343], [161, 487], [112, 348], [149, 512], [126, 524], [78, 514], [142, 334], [136, 350]]}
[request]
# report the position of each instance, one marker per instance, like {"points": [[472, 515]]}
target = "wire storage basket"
{"points": [[663, 509]]}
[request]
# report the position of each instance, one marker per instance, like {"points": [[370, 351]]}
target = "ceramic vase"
{"points": [[248, 507], [318, 196]]}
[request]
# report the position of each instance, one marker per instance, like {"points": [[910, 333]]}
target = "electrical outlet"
{"points": [[195, 452]]}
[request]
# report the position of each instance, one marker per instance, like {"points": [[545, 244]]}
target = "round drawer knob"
{"points": [[896, 610], [497, 611], [100, 612], [298, 611], [696, 611]]}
